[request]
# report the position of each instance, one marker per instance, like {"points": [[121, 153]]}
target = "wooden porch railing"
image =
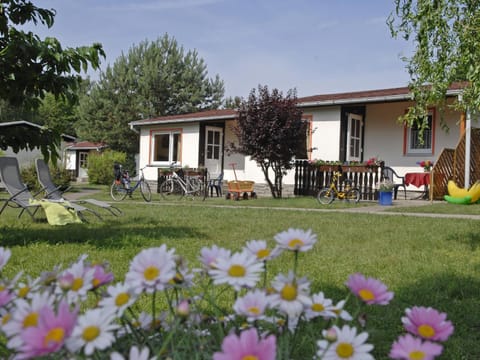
{"points": [[451, 165], [309, 178]]}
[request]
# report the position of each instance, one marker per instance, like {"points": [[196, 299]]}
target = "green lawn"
{"points": [[425, 261]]}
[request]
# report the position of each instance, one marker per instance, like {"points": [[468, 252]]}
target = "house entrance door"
{"points": [[354, 137], [213, 150]]}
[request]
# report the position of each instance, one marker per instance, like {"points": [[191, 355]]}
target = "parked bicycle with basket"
{"points": [[122, 185], [180, 185], [328, 194]]}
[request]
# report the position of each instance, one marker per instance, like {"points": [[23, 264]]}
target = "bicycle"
{"points": [[328, 194], [179, 186], [121, 186]]}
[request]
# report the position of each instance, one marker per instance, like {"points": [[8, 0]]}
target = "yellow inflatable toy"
{"points": [[457, 195]]}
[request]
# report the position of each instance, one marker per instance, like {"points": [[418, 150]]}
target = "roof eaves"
{"points": [[181, 120], [368, 99]]}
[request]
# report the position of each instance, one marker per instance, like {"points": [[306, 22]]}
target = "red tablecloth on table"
{"points": [[417, 179]]}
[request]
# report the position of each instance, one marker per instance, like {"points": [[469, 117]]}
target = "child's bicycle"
{"points": [[328, 194], [122, 186]]}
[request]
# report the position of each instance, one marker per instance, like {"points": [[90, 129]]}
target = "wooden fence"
{"points": [[310, 178]]}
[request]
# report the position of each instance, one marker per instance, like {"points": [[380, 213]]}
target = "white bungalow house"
{"points": [[344, 127]]}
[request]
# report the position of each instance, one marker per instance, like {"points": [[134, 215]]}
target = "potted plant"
{"points": [[385, 192]]}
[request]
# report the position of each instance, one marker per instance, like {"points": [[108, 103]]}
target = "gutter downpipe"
{"points": [[468, 136]]}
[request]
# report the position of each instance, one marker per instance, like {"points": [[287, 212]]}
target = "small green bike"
{"points": [[328, 194]]}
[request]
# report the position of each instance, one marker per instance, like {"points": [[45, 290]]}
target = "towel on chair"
{"points": [[58, 213]]}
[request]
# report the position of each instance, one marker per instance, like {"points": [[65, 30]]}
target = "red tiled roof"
{"points": [[86, 145], [382, 95], [201, 115], [393, 94]]}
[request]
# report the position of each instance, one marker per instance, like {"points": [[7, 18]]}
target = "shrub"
{"points": [[100, 166], [60, 176]]}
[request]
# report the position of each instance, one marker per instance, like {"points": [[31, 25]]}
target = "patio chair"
{"points": [[20, 195], [53, 192], [399, 181], [216, 184]]}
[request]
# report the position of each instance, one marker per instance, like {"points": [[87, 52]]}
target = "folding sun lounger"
{"points": [[53, 192], [21, 197]]}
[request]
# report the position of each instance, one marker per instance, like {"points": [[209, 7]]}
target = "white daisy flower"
{"points": [[94, 330], [120, 297], [260, 249], [252, 305], [4, 257], [239, 270], [348, 345], [209, 256], [321, 306], [28, 288], [296, 239], [340, 312], [135, 354], [76, 281], [291, 295], [183, 277], [25, 314], [151, 269]]}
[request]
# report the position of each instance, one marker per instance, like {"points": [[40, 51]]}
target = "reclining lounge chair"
{"points": [[20, 196], [53, 192]]}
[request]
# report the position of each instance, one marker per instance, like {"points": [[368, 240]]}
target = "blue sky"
{"points": [[315, 46]]}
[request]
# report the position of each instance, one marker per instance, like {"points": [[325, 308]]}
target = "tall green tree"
{"points": [[270, 129], [153, 79], [31, 67], [446, 36]]}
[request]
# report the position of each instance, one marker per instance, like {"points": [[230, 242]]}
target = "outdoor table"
{"points": [[419, 179]]}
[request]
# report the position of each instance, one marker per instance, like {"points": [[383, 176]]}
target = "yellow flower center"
{"points": [[236, 271], [254, 310], [249, 357], [151, 273], [295, 243], [90, 333], [122, 299], [55, 335], [289, 292], [318, 307], [344, 350], [426, 331], [416, 355], [262, 254], [23, 292], [95, 283], [30, 320], [366, 295], [2, 287], [6, 318], [77, 284]]}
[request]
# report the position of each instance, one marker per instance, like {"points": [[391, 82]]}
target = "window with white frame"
{"points": [[83, 159], [166, 147], [418, 143]]}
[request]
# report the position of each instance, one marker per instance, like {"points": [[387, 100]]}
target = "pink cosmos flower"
{"points": [[100, 276], [51, 332], [369, 290], [408, 347], [247, 346], [427, 323], [5, 296]]}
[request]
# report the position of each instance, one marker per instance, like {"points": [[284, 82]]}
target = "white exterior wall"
{"points": [[326, 133], [189, 147], [384, 136]]}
